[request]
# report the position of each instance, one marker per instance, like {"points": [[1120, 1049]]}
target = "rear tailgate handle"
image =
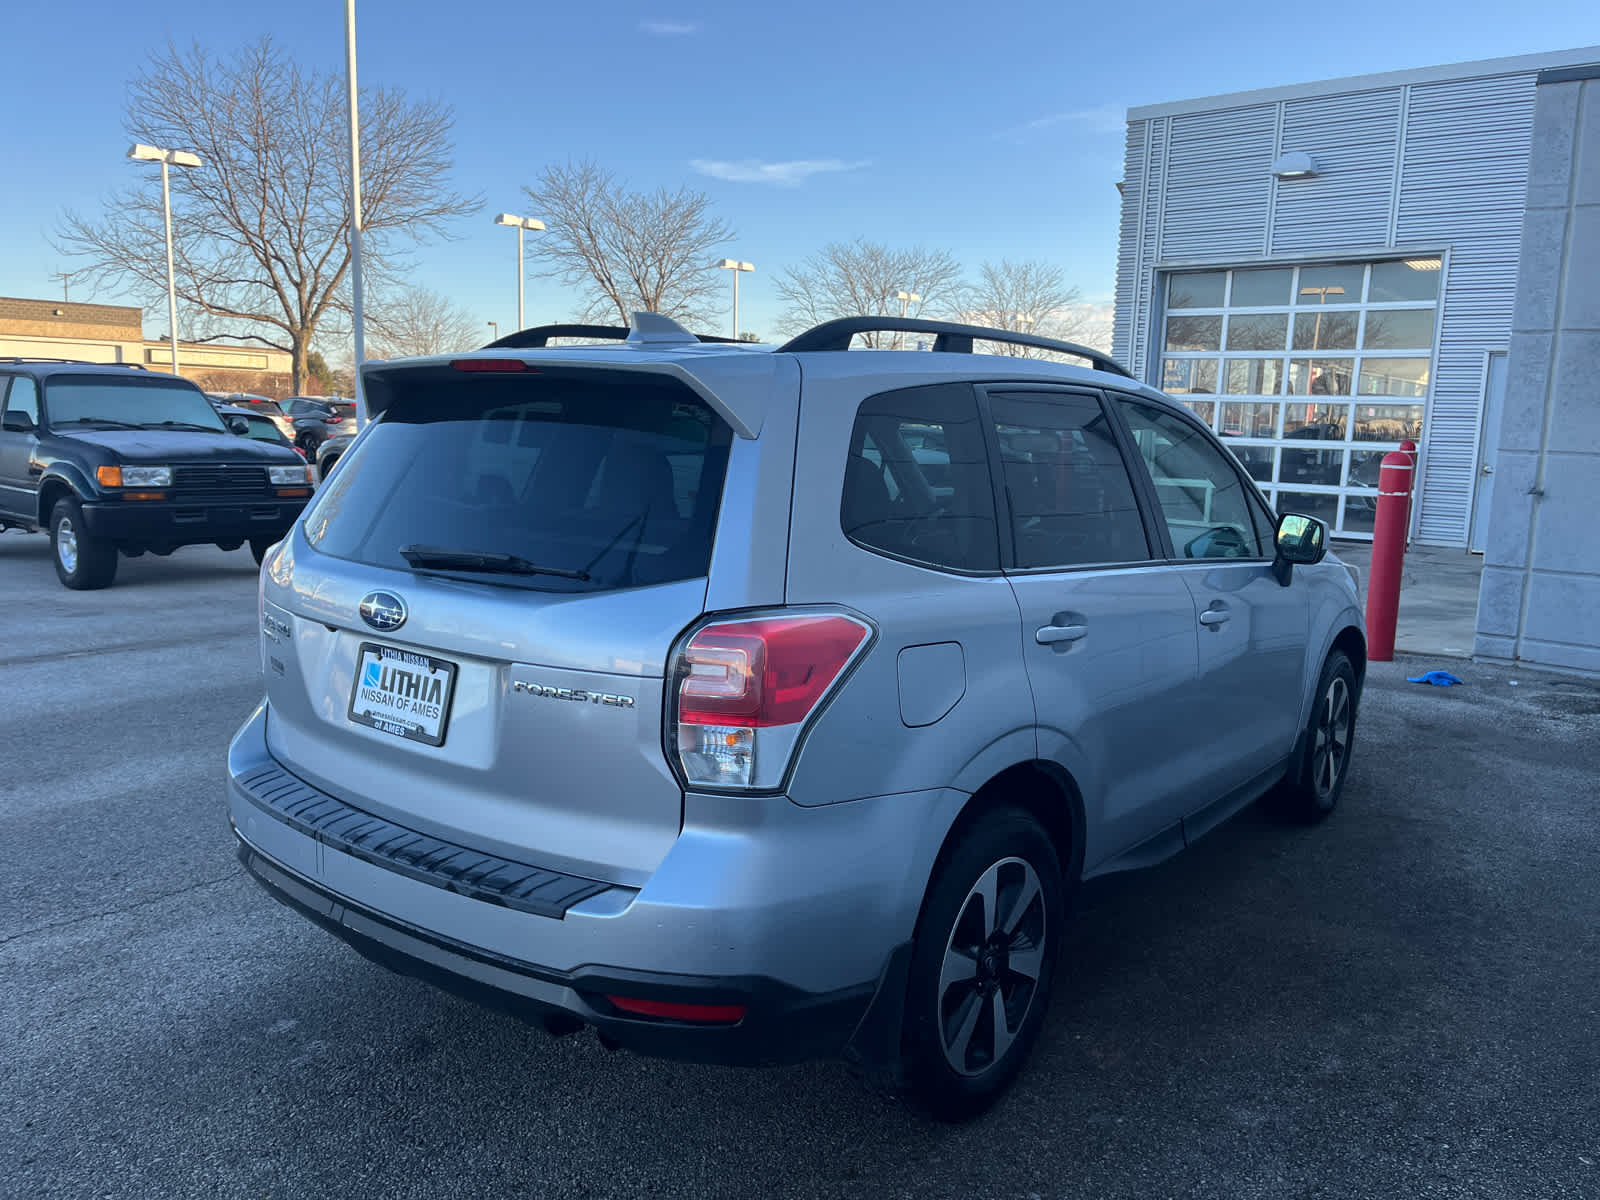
{"points": [[1051, 635]]}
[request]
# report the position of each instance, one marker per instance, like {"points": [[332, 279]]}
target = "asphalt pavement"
{"points": [[1403, 1001]]}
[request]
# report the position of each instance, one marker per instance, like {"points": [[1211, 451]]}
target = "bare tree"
{"points": [[261, 229], [860, 278], [416, 321], [1024, 297], [626, 251]]}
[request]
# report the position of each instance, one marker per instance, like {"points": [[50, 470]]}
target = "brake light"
{"points": [[720, 1014], [332, 419], [745, 689], [491, 364]]}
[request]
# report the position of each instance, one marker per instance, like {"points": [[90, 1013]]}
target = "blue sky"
{"points": [[988, 130]]}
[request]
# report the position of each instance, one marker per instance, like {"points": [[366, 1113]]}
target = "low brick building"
{"points": [[115, 333]]}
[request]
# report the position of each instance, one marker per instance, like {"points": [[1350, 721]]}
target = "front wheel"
{"points": [[83, 561], [1315, 782], [981, 965], [259, 547]]}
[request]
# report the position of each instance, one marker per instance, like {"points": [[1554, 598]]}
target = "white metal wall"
{"points": [[1437, 167]]}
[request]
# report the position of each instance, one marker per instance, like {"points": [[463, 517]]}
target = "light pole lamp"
{"points": [[734, 265], [907, 299], [177, 158], [519, 224]]}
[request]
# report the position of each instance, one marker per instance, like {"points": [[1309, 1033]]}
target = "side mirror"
{"points": [[18, 422], [239, 425], [1300, 539]]}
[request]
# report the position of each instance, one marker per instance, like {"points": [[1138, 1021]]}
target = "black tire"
{"points": [[259, 547], [309, 446], [952, 1031], [325, 467], [1311, 789], [229, 546], [83, 562]]}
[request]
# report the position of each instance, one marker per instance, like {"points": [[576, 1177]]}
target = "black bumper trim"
{"points": [[419, 856], [781, 1025], [182, 522]]}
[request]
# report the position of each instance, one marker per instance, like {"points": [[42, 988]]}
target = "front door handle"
{"points": [[1214, 618], [1052, 635]]}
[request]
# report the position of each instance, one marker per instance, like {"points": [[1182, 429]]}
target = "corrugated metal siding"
{"points": [[1128, 269], [1464, 183], [1463, 173], [1347, 203], [1219, 181]]}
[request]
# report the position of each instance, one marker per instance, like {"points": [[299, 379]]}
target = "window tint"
{"points": [[1201, 494], [1071, 499], [603, 480], [917, 483], [23, 396]]}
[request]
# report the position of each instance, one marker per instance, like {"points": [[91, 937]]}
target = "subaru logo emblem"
{"points": [[383, 610]]}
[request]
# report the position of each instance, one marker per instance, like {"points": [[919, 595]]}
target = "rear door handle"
{"points": [[1214, 618], [1051, 635]]}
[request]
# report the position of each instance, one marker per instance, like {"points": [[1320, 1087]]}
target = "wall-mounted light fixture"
{"points": [[1297, 164]]}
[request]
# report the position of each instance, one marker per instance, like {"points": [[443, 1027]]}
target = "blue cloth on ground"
{"points": [[1437, 678]]}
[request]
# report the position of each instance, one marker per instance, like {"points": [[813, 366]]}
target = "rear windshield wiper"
{"points": [[98, 423], [440, 558]]}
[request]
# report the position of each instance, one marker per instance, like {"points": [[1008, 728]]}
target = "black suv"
{"points": [[113, 458], [318, 418]]}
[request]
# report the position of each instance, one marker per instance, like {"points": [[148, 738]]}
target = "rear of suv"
{"points": [[754, 705]]}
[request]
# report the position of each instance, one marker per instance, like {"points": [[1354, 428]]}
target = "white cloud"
{"points": [[667, 28], [785, 174], [1107, 118]]}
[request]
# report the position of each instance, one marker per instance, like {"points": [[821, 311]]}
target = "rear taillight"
{"points": [[332, 419], [744, 690]]}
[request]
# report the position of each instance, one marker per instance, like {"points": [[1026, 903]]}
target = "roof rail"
{"points": [[950, 337], [532, 339], [85, 362]]}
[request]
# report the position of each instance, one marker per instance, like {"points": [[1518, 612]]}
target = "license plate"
{"points": [[403, 693]]}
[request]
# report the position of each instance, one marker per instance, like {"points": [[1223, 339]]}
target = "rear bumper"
{"points": [[802, 917], [179, 523], [781, 1024]]}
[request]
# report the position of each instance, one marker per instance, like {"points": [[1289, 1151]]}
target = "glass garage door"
{"points": [[1311, 374]]}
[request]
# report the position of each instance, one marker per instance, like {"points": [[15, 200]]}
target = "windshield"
{"points": [[577, 482], [263, 430], [137, 402]]}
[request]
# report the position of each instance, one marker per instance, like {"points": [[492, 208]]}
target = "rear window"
{"points": [[578, 481]]}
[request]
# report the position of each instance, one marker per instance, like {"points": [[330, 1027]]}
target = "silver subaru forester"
{"points": [[755, 704]]}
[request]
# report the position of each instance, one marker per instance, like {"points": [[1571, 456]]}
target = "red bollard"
{"points": [[1388, 550]]}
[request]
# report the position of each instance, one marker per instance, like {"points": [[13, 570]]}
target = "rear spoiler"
{"points": [[737, 387]]}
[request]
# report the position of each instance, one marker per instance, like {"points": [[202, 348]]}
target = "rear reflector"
{"points": [[711, 1014], [490, 364]]}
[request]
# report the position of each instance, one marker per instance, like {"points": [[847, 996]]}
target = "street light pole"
{"points": [[494, 327], [356, 297], [182, 158], [521, 224], [737, 267], [906, 300]]}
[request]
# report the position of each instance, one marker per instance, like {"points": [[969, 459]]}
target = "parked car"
{"points": [[254, 425], [264, 405], [657, 688], [330, 451], [318, 418], [112, 460]]}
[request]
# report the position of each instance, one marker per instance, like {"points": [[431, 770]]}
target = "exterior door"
{"points": [[1494, 404], [17, 445], [1252, 630], [1109, 635]]}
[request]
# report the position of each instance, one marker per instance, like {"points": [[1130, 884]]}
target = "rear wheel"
{"points": [[981, 965], [83, 561], [1314, 784], [259, 547]]}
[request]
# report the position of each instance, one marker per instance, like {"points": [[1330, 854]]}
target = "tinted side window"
{"points": [[917, 483], [1071, 500], [23, 396], [1201, 493]]}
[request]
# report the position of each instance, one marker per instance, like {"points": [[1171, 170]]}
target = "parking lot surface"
{"points": [[1404, 1001]]}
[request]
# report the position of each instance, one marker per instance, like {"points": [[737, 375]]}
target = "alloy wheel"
{"points": [[1331, 747], [992, 962], [67, 545]]}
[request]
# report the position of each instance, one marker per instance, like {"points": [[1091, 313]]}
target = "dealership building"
{"points": [[1324, 269]]}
